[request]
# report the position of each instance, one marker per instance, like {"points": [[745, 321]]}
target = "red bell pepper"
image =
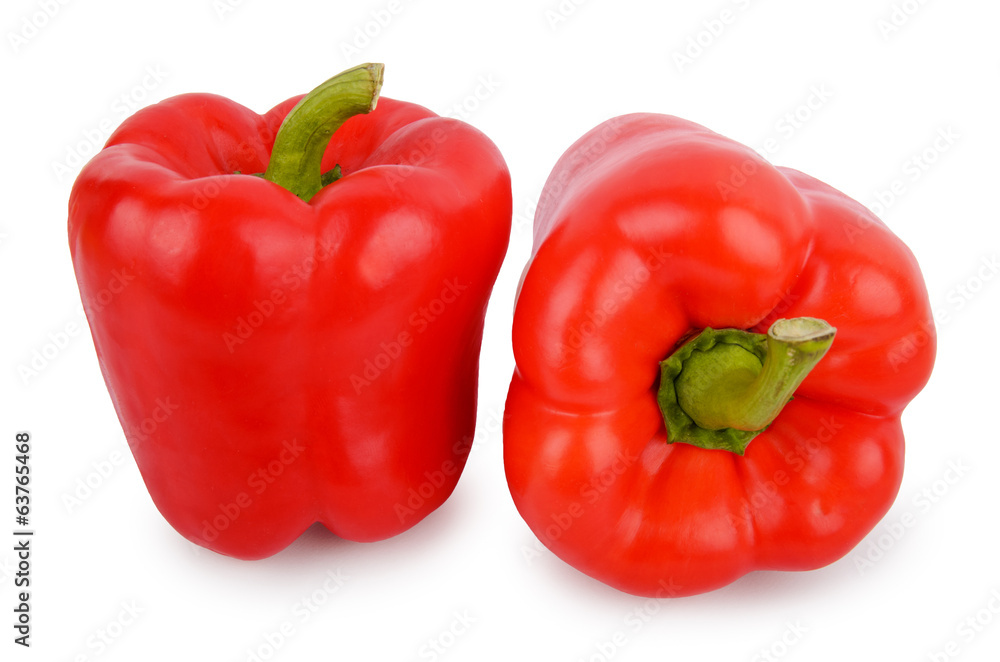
{"points": [[680, 291], [299, 346]]}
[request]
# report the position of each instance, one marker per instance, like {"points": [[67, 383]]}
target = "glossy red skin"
{"points": [[424, 202], [635, 247]]}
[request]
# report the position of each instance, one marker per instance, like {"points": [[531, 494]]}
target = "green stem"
{"points": [[306, 131], [725, 387]]}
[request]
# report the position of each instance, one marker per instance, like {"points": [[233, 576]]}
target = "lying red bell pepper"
{"points": [[301, 345], [680, 291]]}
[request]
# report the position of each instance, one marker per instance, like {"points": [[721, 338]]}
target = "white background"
{"points": [[534, 77]]}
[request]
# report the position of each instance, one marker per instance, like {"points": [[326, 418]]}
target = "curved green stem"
{"points": [[725, 387], [306, 131]]}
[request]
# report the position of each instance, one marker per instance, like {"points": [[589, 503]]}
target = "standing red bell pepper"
{"points": [[680, 290], [301, 345]]}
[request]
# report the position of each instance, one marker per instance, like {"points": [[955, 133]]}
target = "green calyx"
{"points": [[725, 386], [306, 131]]}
